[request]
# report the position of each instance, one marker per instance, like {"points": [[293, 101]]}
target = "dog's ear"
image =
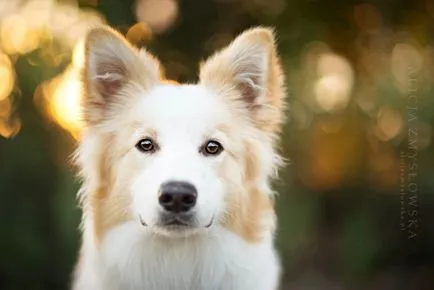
{"points": [[248, 70], [111, 64]]}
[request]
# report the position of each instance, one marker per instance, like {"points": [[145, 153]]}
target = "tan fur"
{"points": [[99, 203], [169, 82], [94, 106], [248, 209], [109, 209], [215, 72]]}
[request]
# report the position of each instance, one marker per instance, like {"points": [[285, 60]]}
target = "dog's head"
{"points": [[180, 159]]}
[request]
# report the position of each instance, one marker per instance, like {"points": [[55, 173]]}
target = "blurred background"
{"points": [[356, 203]]}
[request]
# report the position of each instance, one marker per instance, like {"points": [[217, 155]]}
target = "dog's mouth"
{"points": [[177, 223]]}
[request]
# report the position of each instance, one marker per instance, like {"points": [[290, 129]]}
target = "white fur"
{"points": [[132, 258], [180, 118], [135, 257], [184, 117]]}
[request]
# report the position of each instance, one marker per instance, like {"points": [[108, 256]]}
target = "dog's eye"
{"points": [[146, 145], [212, 148]]}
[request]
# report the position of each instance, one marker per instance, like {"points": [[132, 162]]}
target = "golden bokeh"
{"points": [[405, 60], [333, 88], [7, 76], [57, 28], [62, 101], [17, 35], [139, 32], [160, 15], [389, 124], [5, 109], [10, 128]]}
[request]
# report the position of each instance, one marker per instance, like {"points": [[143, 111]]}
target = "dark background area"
{"points": [[356, 201]]}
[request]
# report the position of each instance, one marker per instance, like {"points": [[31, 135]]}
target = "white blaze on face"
{"points": [[180, 119]]}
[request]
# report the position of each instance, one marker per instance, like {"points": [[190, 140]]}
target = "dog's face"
{"points": [[177, 151], [180, 159]]}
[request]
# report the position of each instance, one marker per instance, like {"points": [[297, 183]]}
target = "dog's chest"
{"points": [[183, 267], [184, 264]]}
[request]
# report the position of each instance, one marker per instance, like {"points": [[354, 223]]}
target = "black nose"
{"points": [[177, 196]]}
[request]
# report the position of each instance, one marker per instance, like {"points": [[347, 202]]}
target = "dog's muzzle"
{"points": [[177, 202]]}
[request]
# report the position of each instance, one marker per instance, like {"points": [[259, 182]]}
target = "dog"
{"points": [[176, 190]]}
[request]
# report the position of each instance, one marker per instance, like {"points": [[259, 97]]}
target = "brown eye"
{"points": [[146, 145], [212, 148]]}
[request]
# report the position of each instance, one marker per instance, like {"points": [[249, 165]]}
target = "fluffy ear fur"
{"points": [[248, 70], [111, 65]]}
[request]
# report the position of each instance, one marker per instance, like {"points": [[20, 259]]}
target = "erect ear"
{"points": [[111, 64], [248, 70]]}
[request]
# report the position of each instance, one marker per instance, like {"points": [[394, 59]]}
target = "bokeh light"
{"points": [[425, 135], [9, 127], [160, 15], [389, 124], [138, 33], [333, 87], [17, 35], [57, 28], [62, 96], [7, 76], [405, 60]]}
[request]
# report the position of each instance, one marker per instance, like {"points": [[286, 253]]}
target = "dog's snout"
{"points": [[177, 196]]}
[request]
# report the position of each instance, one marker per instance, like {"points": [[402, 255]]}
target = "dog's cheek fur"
{"points": [[249, 210], [248, 164], [106, 168]]}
